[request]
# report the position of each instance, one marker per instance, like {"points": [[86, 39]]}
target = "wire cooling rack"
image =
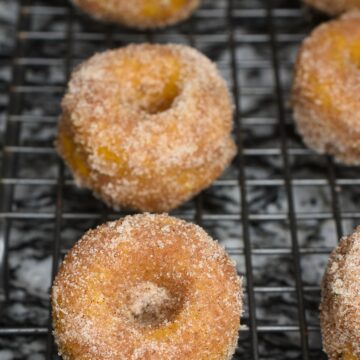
{"points": [[279, 209]]}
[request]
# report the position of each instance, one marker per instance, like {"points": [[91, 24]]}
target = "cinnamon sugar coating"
{"points": [[326, 90], [340, 306], [147, 126], [147, 287], [334, 7], [141, 14]]}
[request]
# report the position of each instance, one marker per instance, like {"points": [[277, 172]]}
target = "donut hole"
{"points": [[159, 101], [152, 84], [152, 305]]}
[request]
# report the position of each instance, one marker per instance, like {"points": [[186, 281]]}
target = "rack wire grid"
{"points": [[279, 209]]}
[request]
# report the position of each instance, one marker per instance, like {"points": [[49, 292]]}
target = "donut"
{"points": [[326, 89], [141, 14], [334, 7], [340, 306], [147, 287], [146, 126]]}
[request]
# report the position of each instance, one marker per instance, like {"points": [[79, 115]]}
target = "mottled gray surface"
{"points": [[31, 240]]}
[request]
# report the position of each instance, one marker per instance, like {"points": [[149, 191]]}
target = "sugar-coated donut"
{"points": [[142, 14], [326, 91], [147, 287], [147, 126], [334, 7], [340, 308]]}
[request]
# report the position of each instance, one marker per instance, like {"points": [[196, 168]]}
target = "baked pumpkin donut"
{"points": [[326, 91], [146, 126], [334, 7], [142, 14], [147, 287], [340, 308]]}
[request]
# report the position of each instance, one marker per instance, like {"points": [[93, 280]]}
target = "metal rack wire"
{"points": [[48, 36]]}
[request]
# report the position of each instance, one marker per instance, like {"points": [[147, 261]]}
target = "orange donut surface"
{"points": [[340, 307], [326, 91], [142, 14], [147, 287], [334, 7], [146, 126]]}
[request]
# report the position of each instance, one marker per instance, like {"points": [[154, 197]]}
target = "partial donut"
{"points": [[340, 307], [334, 7], [141, 14], [147, 287], [326, 90], [146, 126]]}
